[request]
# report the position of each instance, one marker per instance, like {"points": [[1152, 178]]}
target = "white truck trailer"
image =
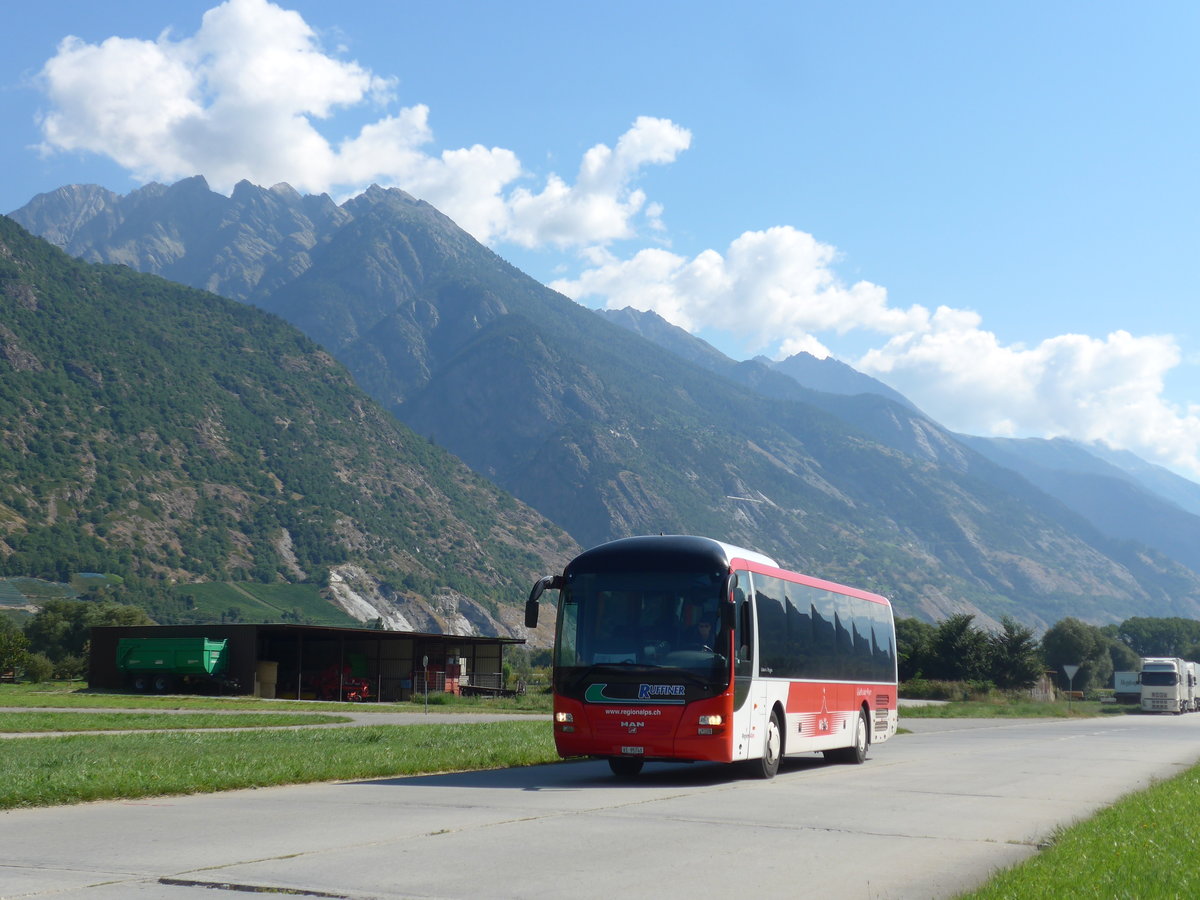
{"points": [[1126, 687], [1168, 685]]}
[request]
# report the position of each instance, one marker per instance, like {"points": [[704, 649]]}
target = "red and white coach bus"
{"points": [[686, 648]]}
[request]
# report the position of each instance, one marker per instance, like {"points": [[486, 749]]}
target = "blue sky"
{"points": [[993, 208]]}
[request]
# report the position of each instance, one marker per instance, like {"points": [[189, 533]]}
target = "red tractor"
{"points": [[340, 684]]}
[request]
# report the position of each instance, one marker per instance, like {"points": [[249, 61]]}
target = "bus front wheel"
{"points": [[772, 748]]}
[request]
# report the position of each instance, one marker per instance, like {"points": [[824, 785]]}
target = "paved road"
{"points": [[930, 814]]}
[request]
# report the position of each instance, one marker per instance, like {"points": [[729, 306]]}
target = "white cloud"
{"points": [[601, 206], [777, 291], [244, 97], [774, 289], [122, 99], [1091, 389], [235, 101]]}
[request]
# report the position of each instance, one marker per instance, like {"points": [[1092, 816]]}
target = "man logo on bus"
{"points": [[666, 691]]}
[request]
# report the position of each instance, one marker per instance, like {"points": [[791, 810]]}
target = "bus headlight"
{"points": [[711, 720], [561, 717]]}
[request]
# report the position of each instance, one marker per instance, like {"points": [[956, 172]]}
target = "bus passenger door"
{"points": [[744, 682]]}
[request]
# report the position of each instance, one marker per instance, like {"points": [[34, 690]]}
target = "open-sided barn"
{"points": [[295, 661]]}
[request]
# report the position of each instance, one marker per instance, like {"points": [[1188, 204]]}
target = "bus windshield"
{"points": [[643, 619]]}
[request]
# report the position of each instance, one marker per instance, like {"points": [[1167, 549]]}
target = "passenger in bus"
{"points": [[699, 636]]}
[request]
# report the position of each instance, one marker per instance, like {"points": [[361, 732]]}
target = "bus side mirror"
{"points": [[728, 605], [553, 582]]}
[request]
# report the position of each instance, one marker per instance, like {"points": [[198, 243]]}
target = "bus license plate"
{"points": [[633, 751]]}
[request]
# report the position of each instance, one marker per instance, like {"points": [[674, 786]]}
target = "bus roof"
{"points": [[680, 553], [665, 553]]}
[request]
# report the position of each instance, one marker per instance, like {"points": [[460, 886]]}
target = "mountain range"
{"points": [[618, 423]]}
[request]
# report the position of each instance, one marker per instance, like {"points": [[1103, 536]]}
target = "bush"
{"points": [[982, 690], [435, 698], [928, 689], [38, 668], [71, 668]]}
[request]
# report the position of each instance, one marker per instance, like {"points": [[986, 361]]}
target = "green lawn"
{"points": [[46, 771], [51, 770], [1145, 846], [39, 721], [74, 697], [67, 695]]}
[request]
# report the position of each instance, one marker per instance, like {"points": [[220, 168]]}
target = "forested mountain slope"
{"points": [[168, 435]]}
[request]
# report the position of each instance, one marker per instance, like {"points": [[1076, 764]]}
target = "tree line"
{"points": [[54, 644], [1013, 657]]}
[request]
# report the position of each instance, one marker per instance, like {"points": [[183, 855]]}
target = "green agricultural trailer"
{"points": [[166, 664]]}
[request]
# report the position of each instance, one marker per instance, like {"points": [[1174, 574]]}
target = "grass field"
{"points": [[62, 695], [46, 771], [50, 722], [54, 770], [1144, 847]]}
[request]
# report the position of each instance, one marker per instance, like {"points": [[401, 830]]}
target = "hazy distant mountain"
{"points": [[1117, 502], [1126, 499], [835, 377], [1178, 490], [609, 434], [658, 330], [167, 436], [858, 400]]}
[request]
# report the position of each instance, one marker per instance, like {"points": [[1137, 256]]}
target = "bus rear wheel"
{"points": [[856, 753], [625, 766]]}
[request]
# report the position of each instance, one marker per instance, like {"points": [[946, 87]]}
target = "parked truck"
{"points": [[161, 665], [1168, 685]]}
